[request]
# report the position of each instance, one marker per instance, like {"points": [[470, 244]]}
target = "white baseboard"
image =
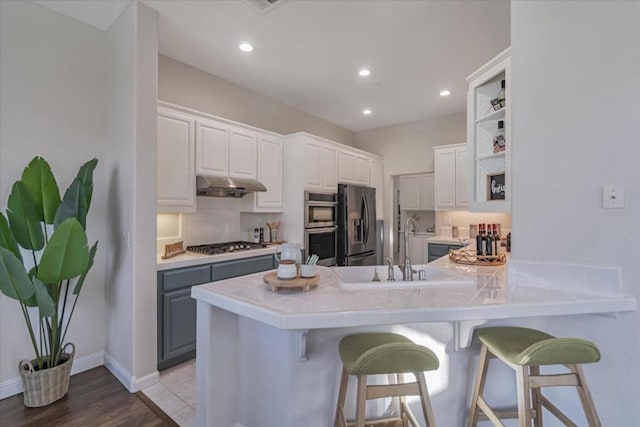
{"points": [[14, 386], [130, 382]]}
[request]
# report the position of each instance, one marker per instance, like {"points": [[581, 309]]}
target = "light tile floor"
{"points": [[175, 394]]}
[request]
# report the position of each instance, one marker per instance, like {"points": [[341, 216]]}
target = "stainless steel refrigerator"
{"points": [[356, 225]]}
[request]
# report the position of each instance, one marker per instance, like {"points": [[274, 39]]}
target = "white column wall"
{"points": [[576, 127], [132, 323]]}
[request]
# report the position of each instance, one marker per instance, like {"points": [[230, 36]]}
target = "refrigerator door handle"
{"points": [[366, 219]]}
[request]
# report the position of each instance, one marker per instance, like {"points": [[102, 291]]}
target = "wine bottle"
{"points": [[501, 96], [479, 241], [489, 241], [496, 240], [509, 242], [499, 141]]}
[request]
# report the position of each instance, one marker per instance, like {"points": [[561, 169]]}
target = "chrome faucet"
{"points": [[390, 277], [407, 269]]}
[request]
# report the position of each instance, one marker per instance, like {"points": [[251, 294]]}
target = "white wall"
{"points": [[52, 82], [408, 148], [576, 126], [132, 296], [190, 87]]}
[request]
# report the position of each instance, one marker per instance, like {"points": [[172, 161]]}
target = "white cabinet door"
{"points": [[346, 166], [329, 168], [362, 170], [461, 177], [415, 247], [212, 148], [313, 165], [270, 171], [176, 188], [410, 192], [242, 153], [445, 174], [377, 181], [426, 192]]}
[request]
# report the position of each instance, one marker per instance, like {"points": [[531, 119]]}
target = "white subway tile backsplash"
{"points": [[215, 220]]}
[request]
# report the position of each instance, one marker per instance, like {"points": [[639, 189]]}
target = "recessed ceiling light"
{"points": [[364, 72], [366, 111], [445, 92], [245, 47]]}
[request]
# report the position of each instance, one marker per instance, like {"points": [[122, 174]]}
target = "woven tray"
{"points": [[304, 283], [462, 256]]}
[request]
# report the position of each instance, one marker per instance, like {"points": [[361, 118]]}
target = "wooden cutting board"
{"points": [[304, 283]]}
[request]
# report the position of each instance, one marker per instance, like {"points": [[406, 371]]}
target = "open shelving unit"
{"points": [[482, 124]]}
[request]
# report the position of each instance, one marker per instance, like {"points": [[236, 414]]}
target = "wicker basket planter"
{"points": [[44, 387]]}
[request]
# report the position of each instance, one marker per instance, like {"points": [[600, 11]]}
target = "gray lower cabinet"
{"points": [[177, 310], [437, 250]]}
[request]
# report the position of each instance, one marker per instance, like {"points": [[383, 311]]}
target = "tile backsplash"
{"points": [[215, 220]]}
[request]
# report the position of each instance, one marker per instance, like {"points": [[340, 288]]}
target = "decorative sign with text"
{"points": [[496, 187]]}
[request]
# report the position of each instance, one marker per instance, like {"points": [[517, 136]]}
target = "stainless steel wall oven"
{"points": [[320, 226]]}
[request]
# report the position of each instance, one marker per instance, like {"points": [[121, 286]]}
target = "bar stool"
{"points": [[384, 353], [525, 350]]}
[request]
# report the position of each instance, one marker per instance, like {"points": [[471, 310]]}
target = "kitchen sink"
{"points": [[355, 278]]}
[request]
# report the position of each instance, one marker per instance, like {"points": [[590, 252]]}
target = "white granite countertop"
{"points": [[449, 240], [189, 259], [529, 290]]}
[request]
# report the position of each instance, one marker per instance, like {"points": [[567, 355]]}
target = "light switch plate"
{"points": [[613, 197]]}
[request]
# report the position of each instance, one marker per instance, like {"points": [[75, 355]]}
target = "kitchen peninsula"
{"points": [[270, 358]]}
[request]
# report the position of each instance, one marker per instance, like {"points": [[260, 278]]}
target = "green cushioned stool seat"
{"points": [[384, 353], [378, 353], [524, 346], [525, 351]]}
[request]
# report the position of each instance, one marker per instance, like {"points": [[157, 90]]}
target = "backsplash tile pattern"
{"points": [[215, 220]]}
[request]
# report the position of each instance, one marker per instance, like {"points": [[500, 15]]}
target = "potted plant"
{"points": [[44, 261]]}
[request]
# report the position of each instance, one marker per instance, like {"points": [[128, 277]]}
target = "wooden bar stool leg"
{"points": [[478, 388], [425, 400], [361, 400], [524, 396], [535, 399], [342, 395], [585, 397]]}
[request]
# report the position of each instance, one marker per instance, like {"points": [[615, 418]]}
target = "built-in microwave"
{"points": [[320, 210]]}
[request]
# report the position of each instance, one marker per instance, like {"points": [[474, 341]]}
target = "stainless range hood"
{"points": [[223, 186]]}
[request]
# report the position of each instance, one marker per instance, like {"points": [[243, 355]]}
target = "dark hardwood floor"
{"points": [[95, 398]]}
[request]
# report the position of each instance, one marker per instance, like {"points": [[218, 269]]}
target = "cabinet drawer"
{"points": [[188, 276], [241, 267]]}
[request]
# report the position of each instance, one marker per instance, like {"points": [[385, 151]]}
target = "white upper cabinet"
{"points": [[377, 181], [329, 168], [346, 166], [242, 153], [212, 148], [416, 192], [176, 188], [270, 173], [225, 150], [362, 170], [489, 136], [353, 167], [426, 192], [313, 165], [450, 163], [410, 192]]}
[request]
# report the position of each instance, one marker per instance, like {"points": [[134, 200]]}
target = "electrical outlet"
{"points": [[613, 197]]}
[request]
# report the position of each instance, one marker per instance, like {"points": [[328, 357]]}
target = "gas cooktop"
{"points": [[223, 248]]}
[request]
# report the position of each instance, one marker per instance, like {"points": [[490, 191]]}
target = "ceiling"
{"points": [[308, 52], [97, 13]]}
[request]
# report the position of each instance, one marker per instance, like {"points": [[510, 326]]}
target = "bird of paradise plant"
{"points": [[44, 255]]}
